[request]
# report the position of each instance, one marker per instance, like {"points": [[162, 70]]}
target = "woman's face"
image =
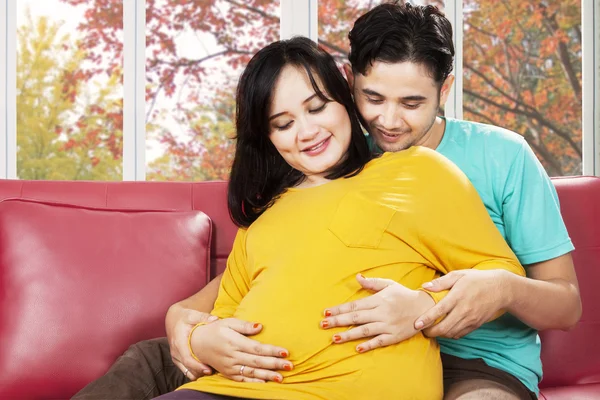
{"points": [[310, 134]]}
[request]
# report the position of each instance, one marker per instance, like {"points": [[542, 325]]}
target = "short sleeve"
{"points": [[531, 212], [235, 283]]}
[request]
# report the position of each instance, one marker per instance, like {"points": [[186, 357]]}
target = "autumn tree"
{"points": [[201, 81], [522, 70], [522, 67], [209, 153], [62, 122]]}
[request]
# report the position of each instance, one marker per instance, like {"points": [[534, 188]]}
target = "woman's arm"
{"points": [[179, 321]]}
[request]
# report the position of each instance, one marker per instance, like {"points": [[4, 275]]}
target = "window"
{"points": [[195, 54], [69, 99], [71, 110], [524, 74]]}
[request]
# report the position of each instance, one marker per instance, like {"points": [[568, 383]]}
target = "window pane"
{"points": [[522, 71], [195, 52], [336, 18], [69, 97]]}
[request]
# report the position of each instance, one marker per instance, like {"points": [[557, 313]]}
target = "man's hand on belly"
{"points": [[386, 317]]}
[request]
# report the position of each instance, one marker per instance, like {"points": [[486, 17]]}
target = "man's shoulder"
{"points": [[491, 137]]}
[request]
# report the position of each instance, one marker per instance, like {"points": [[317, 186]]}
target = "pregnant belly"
{"points": [[292, 321]]}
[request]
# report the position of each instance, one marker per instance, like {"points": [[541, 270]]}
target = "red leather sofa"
{"points": [[88, 268]]}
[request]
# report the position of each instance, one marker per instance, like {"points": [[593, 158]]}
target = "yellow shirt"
{"points": [[408, 216]]}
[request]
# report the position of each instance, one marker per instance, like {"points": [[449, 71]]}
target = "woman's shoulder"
{"points": [[419, 161], [415, 155]]}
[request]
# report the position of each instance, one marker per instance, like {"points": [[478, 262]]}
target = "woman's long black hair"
{"points": [[259, 174]]}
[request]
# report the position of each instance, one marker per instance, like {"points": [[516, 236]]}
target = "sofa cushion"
{"points": [[573, 357], [79, 285]]}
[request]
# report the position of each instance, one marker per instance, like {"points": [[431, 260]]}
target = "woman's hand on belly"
{"points": [[224, 346], [387, 317]]}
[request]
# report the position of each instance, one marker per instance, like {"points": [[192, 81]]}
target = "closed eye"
{"points": [[374, 101], [284, 127], [318, 109]]}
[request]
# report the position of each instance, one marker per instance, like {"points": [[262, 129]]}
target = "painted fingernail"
{"points": [[419, 324], [427, 285], [256, 325], [278, 379], [325, 324], [337, 338], [327, 313], [287, 367], [283, 353], [360, 349]]}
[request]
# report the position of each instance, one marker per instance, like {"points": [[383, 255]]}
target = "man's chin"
{"points": [[388, 147]]}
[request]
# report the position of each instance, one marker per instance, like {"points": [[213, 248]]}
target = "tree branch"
{"points": [[530, 113], [562, 53], [489, 82], [253, 9]]}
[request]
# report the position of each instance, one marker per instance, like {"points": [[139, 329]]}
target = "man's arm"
{"points": [[549, 297], [180, 319]]}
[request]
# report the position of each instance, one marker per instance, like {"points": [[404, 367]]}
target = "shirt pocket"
{"points": [[360, 222]]}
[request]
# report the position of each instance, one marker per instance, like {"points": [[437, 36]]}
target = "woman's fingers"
{"points": [[263, 375], [360, 332], [265, 351], [351, 318]]}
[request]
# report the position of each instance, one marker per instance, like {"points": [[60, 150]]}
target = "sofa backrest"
{"points": [[209, 197], [573, 357], [569, 358]]}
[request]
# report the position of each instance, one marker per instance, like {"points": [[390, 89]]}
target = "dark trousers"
{"points": [[145, 371], [195, 395]]}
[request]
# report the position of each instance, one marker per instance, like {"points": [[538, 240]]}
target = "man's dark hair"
{"points": [[396, 32], [259, 174]]}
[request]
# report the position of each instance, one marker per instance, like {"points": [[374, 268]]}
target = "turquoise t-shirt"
{"points": [[523, 203]]}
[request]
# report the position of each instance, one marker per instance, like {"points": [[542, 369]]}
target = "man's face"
{"points": [[399, 103]]}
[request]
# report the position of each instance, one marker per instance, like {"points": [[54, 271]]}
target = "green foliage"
{"points": [[67, 129]]}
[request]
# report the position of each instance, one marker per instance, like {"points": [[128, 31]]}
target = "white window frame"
{"points": [[297, 18], [8, 90], [590, 30], [134, 93]]}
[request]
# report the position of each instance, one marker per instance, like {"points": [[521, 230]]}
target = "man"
{"points": [[401, 58], [401, 61]]}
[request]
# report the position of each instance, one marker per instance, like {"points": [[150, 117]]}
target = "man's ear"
{"points": [[349, 76], [445, 90]]}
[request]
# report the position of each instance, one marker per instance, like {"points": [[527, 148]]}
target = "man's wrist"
{"points": [[509, 283], [424, 301]]}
